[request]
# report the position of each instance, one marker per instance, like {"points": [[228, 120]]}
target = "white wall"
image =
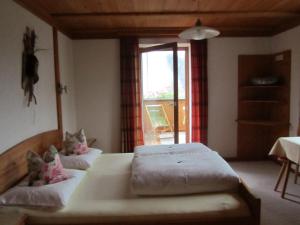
{"points": [[97, 75], [67, 77], [102, 65], [284, 41], [97, 80], [17, 121], [98, 84], [223, 88]]}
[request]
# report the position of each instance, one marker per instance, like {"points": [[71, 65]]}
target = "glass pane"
{"points": [[181, 74], [158, 97]]}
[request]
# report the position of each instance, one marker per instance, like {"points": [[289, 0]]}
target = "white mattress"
{"points": [[180, 169], [104, 196]]}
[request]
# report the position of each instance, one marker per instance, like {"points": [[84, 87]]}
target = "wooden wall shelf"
{"points": [[263, 110], [262, 86], [260, 101], [263, 122]]}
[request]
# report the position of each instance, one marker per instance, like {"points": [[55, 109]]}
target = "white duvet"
{"points": [[180, 169]]}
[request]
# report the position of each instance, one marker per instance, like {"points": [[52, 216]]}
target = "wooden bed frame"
{"points": [[13, 164], [13, 167]]}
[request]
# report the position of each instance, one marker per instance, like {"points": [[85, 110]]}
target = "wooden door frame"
{"points": [[187, 92], [173, 46]]}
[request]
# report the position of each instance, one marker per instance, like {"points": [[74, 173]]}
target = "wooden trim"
{"points": [[231, 159], [180, 220], [187, 92], [158, 47], [13, 164], [57, 82], [284, 27], [175, 90], [24, 220], [183, 13], [253, 202], [173, 47], [50, 18], [186, 49], [38, 11], [152, 32]]}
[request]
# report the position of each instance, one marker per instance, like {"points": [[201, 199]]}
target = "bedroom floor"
{"points": [[260, 178]]}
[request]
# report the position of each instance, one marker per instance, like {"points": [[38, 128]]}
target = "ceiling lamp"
{"points": [[199, 32]]}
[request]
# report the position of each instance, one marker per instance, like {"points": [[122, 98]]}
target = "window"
{"points": [[158, 96]]}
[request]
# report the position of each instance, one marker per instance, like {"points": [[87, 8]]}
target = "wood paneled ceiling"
{"points": [[165, 18]]}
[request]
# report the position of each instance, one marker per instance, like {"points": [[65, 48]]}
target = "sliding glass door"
{"points": [[164, 94]]}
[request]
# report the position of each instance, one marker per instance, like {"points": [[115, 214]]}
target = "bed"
{"points": [[180, 169], [104, 197]]}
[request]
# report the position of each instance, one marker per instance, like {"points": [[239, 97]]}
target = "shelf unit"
{"points": [[263, 122], [261, 86], [260, 101], [263, 110]]}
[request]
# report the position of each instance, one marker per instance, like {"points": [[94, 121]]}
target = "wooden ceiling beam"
{"points": [[183, 13], [163, 32], [285, 27], [289, 19], [41, 13]]}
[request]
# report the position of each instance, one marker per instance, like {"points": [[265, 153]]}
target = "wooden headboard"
{"points": [[13, 164]]}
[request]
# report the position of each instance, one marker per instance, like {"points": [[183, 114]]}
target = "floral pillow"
{"points": [[75, 143], [46, 170]]}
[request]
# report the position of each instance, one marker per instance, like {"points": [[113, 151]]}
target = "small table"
{"points": [[287, 149]]}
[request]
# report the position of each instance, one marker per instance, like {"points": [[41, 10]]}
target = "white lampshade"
{"points": [[199, 32]]}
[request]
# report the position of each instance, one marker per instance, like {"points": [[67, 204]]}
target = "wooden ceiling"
{"points": [[165, 18]]}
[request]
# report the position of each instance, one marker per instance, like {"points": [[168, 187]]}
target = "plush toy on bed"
{"points": [[35, 163], [76, 153], [75, 143], [45, 170]]}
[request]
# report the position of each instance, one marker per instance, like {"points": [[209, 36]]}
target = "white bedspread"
{"points": [[180, 169]]}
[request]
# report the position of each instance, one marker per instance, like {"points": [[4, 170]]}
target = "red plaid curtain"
{"points": [[131, 111], [199, 91]]}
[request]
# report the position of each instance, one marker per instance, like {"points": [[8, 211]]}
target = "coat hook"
{"points": [[62, 88]]}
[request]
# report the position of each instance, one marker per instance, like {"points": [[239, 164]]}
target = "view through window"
{"points": [[158, 96]]}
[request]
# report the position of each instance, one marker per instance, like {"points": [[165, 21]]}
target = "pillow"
{"points": [[75, 143], [46, 170], [81, 162], [51, 196]]}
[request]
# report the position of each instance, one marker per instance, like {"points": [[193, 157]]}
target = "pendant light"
{"points": [[199, 32]]}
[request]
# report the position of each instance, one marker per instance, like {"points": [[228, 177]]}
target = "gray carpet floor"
{"points": [[261, 177]]}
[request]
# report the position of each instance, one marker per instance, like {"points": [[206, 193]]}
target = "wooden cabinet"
{"points": [[263, 110]]}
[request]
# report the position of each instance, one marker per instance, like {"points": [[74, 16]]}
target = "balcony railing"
{"points": [[159, 123]]}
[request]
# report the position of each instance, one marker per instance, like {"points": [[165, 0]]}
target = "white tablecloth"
{"points": [[288, 147]]}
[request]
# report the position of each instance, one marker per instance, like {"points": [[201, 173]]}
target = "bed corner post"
{"points": [[253, 202]]}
